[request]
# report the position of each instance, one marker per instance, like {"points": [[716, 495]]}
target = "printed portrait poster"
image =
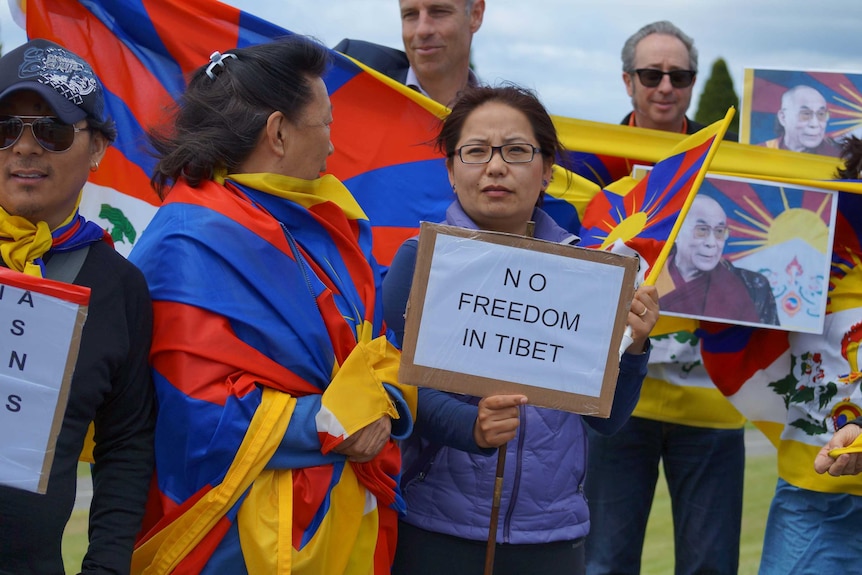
{"points": [[751, 252], [800, 110], [492, 313], [40, 333]]}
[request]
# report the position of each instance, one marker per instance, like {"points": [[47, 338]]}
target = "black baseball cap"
{"points": [[62, 77]]}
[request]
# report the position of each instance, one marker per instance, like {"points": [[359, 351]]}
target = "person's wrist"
{"points": [[478, 437]]}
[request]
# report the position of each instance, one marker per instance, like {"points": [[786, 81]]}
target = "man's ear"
{"points": [[98, 146], [627, 80], [476, 15]]}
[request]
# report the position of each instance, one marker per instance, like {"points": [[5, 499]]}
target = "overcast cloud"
{"points": [[569, 51]]}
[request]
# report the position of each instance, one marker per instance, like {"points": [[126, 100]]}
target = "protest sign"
{"points": [[40, 332], [493, 313]]}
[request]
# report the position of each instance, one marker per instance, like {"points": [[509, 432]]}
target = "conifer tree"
{"points": [[717, 96]]}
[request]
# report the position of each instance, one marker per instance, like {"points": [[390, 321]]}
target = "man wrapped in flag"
{"points": [[276, 377]]}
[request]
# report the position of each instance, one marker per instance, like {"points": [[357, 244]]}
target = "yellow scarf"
{"points": [[22, 242]]}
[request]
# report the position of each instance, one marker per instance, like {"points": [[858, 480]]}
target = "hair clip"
{"points": [[217, 59]]}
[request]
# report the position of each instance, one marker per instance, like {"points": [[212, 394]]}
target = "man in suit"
{"points": [[437, 36]]}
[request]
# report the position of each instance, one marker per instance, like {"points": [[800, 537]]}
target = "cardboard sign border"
{"points": [[446, 380], [62, 399], [80, 296]]}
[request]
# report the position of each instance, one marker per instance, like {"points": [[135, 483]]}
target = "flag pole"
{"points": [[665, 250], [495, 510], [491, 548]]}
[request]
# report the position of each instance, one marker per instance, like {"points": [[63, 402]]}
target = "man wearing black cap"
{"points": [[54, 130]]}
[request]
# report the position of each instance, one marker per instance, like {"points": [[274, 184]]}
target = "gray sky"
{"points": [[569, 51]]}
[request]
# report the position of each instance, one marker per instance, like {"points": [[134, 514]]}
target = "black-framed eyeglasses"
{"points": [[651, 77], [516, 153], [53, 134]]}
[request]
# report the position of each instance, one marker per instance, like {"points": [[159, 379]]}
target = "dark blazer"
{"points": [[384, 59]]}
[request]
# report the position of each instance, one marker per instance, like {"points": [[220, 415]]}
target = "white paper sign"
{"points": [[517, 315], [38, 337]]}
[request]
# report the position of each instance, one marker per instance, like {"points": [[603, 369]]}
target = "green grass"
{"points": [[760, 477], [75, 540], [75, 537]]}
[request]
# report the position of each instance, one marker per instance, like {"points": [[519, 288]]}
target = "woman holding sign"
{"points": [[500, 146]]}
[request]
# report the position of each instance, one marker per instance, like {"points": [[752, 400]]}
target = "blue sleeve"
{"points": [[403, 426], [633, 370], [396, 287], [448, 420], [300, 446]]}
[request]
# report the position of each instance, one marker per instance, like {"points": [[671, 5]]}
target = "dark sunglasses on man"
{"points": [[651, 77], [51, 133]]}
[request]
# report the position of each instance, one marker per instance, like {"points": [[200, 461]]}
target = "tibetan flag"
{"points": [[799, 388], [143, 50], [643, 216]]}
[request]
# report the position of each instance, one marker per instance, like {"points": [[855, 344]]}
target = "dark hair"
{"points": [[660, 27], [218, 120], [521, 99], [107, 127], [851, 153]]}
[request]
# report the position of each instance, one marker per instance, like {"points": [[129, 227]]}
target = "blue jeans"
{"points": [[811, 532], [704, 468]]}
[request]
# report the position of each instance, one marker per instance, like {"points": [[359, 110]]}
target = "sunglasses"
{"points": [[51, 133], [650, 77]]}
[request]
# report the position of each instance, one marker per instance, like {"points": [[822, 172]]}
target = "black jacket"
{"points": [[385, 60]]}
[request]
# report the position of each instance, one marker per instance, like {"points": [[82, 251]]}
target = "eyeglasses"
{"points": [[650, 77], [51, 133], [702, 231], [519, 153], [805, 114]]}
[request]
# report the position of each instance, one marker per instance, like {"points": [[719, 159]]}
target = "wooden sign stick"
{"points": [[498, 480]]}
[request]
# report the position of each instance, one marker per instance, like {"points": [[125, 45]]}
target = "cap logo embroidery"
{"points": [[55, 68]]}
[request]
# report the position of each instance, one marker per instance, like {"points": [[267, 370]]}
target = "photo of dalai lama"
{"points": [[696, 280]]}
